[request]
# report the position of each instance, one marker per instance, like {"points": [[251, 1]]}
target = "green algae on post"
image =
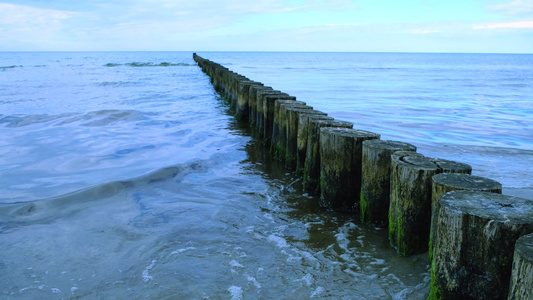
{"points": [[474, 243], [311, 177], [375, 178], [340, 167], [446, 182], [521, 286]]}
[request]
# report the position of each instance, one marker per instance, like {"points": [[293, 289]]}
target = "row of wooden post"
{"points": [[433, 204]]}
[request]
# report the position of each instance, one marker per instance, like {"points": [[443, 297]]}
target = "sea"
{"points": [[123, 175]]}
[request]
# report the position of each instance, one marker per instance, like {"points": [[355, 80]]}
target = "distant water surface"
{"points": [[475, 108], [122, 175]]}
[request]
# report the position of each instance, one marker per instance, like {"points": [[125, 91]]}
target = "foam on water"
{"points": [[236, 292]]}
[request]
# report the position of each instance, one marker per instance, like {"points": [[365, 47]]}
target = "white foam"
{"points": [[22, 290], [378, 261], [342, 241], [278, 240], [317, 291], [56, 291], [292, 258], [182, 250], [352, 272], [402, 294], [235, 264], [254, 281], [146, 275], [236, 292], [73, 289], [307, 255], [307, 279]]}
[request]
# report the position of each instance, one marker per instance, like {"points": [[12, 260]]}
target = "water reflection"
{"points": [[341, 256]]}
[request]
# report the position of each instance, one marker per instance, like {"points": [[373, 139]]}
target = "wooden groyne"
{"points": [[427, 204]]}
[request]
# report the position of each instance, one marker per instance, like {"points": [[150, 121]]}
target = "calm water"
{"points": [[122, 176], [476, 108]]}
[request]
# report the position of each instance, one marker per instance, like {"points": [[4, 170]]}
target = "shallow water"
{"points": [[231, 226]]}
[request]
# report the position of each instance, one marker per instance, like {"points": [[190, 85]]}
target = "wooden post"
{"points": [[521, 286], [218, 79], [279, 126], [447, 182], [311, 174], [449, 166], [268, 112], [410, 200], [474, 244], [291, 147], [303, 131], [233, 89], [252, 98], [375, 183], [243, 100], [260, 117], [340, 166]]}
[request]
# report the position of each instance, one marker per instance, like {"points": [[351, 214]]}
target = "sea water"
{"points": [[476, 108], [123, 176]]}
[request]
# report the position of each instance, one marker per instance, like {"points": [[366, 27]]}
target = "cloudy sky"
{"points": [[500, 26]]}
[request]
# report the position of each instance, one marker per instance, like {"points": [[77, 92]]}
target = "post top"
{"points": [[390, 145], [467, 182], [492, 206]]}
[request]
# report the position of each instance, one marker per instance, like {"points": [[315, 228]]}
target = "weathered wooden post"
{"points": [[233, 88], [268, 112], [292, 115], [375, 183], [341, 153], [311, 174], [218, 79], [279, 126], [474, 244], [447, 182], [303, 132], [521, 286], [410, 199], [252, 103], [242, 109], [260, 118], [225, 88]]}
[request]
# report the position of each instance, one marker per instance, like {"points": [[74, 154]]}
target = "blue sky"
{"points": [[495, 26]]}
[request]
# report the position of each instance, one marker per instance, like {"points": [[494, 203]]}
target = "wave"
{"points": [[93, 118], [119, 83], [4, 68], [149, 64], [49, 209], [26, 120]]}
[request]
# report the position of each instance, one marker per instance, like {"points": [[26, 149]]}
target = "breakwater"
{"points": [[388, 183]]}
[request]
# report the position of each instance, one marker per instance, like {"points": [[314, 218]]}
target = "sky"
{"points": [[466, 26]]}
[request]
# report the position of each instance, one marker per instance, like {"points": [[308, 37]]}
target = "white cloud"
{"points": [[517, 24], [343, 25], [30, 28], [424, 31], [515, 8], [26, 15]]}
